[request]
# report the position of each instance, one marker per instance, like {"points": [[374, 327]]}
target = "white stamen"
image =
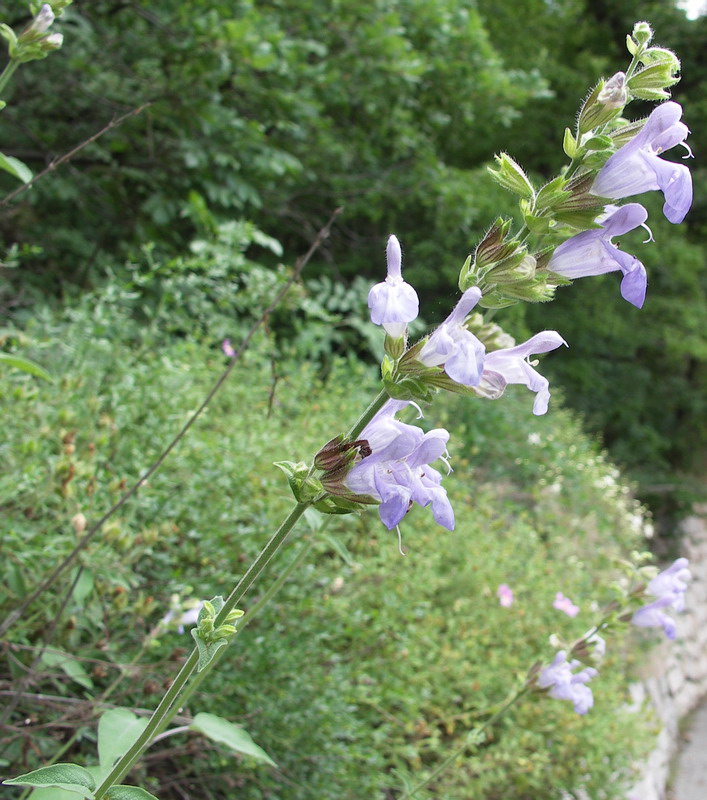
{"points": [[400, 541], [650, 233]]}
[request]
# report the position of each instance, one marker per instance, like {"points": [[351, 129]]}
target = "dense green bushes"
{"points": [[370, 666], [280, 112]]}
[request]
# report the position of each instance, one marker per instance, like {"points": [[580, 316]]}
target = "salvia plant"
{"points": [[385, 460]]}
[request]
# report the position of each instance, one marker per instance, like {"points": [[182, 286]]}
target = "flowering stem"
{"points": [[174, 695], [471, 740], [7, 73], [282, 578], [378, 402]]}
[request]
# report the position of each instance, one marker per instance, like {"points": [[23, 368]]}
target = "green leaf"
{"points": [[15, 167], [117, 731], [233, 736], [84, 585], [25, 365], [69, 665], [52, 794], [128, 793], [62, 776], [569, 145], [207, 650]]}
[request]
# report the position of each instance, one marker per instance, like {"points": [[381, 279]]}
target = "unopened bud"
{"points": [[511, 176], [595, 113], [42, 22], [523, 271], [78, 522], [614, 94], [53, 42], [642, 33]]}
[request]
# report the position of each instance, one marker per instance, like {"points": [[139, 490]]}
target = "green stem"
{"points": [[378, 402], [173, 697], [251, 613], [178, 691], [471, 735], [7, 73]]}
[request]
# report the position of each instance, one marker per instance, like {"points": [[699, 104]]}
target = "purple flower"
{"points": [[669, 588], [42, 22], [593, 253], [505, 595], [454, 347], [228, 348], [398, 471], [511, 365], [637, 168], [393, 302], [562, 603], [564, 685]]}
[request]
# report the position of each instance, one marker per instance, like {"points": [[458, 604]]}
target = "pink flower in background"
{"points": [[505, 595], [228, 349], [562, 603]]}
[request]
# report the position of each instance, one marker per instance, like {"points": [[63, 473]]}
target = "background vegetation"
{"points": [[371, 665], [125, 270], [279, 112]]}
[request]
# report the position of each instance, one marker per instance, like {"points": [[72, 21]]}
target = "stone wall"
{"points": [[674, 677]]}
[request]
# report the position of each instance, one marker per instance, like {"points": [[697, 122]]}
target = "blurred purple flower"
{"points": [[393, 302], [398, 471], [669, 588], [228, 349], [562, 603], [637, 167], [455, 348], [564, 685], [512, 365], [505, 595], [593, 253]]}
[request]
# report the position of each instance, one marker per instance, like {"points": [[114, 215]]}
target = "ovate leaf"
{"points": [[117, 731], [15, 167], [69, 665], [128, 793], [233, 736], [70, 777]]}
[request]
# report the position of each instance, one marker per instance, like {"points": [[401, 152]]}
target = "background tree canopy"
{"points": [[279, 112]]}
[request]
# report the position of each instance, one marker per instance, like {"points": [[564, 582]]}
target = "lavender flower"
{"points": [[511, 365], [637, 168], [398, 472], [393, 302], [669, 588], [564, 604], [42, 22], [593, 253], [227, 348], [564, 685], [454, 347], [505, 595]]}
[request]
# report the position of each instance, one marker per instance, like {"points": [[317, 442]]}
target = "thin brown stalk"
{"points": [[57, 162]]}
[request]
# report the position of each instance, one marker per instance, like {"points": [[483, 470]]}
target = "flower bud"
{"points": [[595, 113], [41, 23], [511, 176], [613, 94], [642, 33], [78, 522]]}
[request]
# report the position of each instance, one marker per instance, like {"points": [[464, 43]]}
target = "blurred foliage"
{"points": [[369, 667], [279, 112]]}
